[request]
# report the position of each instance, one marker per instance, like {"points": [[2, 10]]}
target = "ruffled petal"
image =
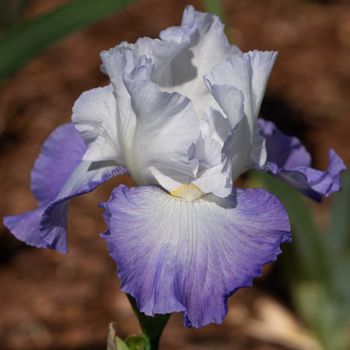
{"points": [[288, 159], [85, 178], [178, 256], [208, 47], [165, 132], [230, 100], [238, 86], [208, 43], [237, 141], [213, 175], [118, 62], [151, 123], [55, 181], [249, 73], [262, 63], [181, 57], [176, 64], [94, 115]]}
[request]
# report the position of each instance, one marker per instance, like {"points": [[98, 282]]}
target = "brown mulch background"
{"points": [[50, 301]]}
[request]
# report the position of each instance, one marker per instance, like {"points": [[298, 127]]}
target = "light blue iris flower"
{"points": [[180, 116]]}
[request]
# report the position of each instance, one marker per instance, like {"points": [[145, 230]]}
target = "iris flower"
{"points": [[180, 117]]}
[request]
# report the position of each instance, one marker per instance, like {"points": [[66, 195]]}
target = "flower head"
{"points": [[180, 116]]}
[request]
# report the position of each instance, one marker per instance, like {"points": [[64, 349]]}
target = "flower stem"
{"points": [[152, 326]]}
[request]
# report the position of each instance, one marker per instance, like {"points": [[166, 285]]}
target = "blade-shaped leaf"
{"points": [[339, 235], [311, 256], [29, 39], [325, 314]]}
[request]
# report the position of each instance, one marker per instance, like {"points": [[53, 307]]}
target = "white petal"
{"points": [[213, 174], [215, 180], [261, 63], [156, 129], [166, 130], [230, 100], [94, 115], [117, 62], [258, 154], [237, 148], [185, 54], [249, 73]]}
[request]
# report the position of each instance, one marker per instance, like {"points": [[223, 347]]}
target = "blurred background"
{"points": [[50, 301]]}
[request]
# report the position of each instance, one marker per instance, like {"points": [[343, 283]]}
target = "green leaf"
{"points": [[137, 342], [339, 235], [119, 345], [311, 257], [113, 341], [31, 38], [132, 342], [320, 289], [324, 313]]}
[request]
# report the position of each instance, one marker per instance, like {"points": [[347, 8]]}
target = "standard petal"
{"points": [[262, 63], [238, 141], [58, 176], [116, 63], [258, 153], [178, 256], [181, 57], [186, 52], [230, 99], [208, 47], [237, 148], [288, 159], [151, 123], [95, 116], [247, 72], [60, 154], [165, 132]]}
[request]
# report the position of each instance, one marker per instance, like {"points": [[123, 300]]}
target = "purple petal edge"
{"points": [[288, 159], [60, 154], [57, 176], [168, 268]]}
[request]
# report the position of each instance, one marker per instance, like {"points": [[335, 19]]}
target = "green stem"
{"points": [[152, 326]]}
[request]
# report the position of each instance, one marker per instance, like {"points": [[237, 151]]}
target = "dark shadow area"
{"points": [[13, 133], [288, 119], [9, 247]]}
